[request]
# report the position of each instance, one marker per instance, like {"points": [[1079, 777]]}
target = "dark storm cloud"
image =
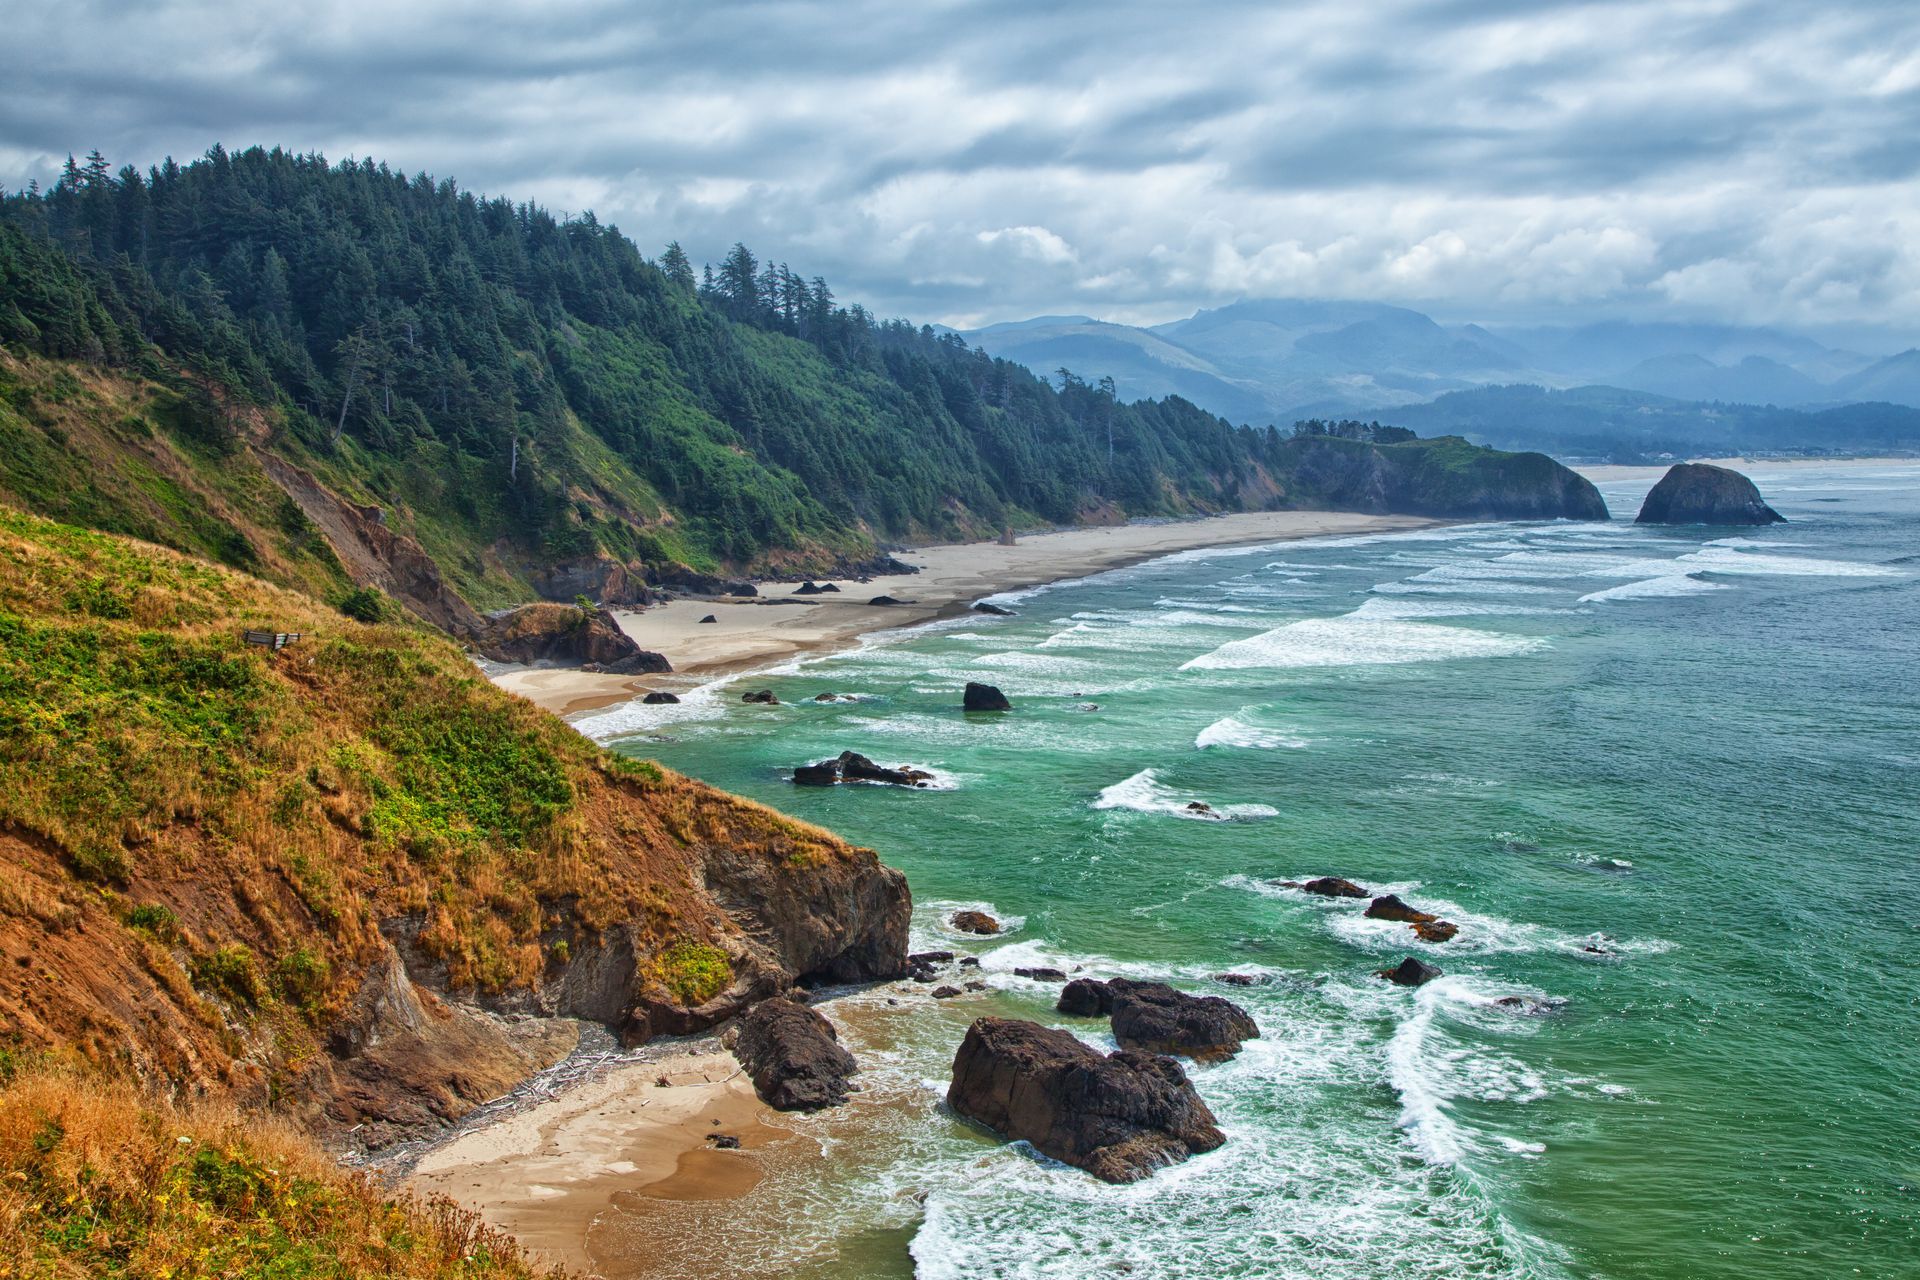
{"points": [[984, 160]]}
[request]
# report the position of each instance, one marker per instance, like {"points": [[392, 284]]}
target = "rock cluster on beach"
{"points": [[1697, 493], [1152, 1017], [1119, 1116], [565, 635], [793, 1056]]}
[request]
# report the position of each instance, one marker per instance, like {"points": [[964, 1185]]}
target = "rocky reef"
{"points": [[1119, 1116], [1698, 493]]}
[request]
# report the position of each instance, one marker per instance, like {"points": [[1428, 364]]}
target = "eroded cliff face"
{"points": [[350, 880]]}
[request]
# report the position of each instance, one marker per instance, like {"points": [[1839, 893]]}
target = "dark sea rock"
{"points": [[793, 1057], [984, 697], [724, 1141], [994, 609], [1118, 1116], [1041, 974], [763, 696], [857, 768], [931, 957], [823, 774], [1436, 930], [709, 618], [945, 993], [1333, 887], [1411, 972], [885, 600], [1236, 979], [1389, 907], [828, 586], [806, 589], [1199, 806], [975, 922], [658, 698], [1696, 493], [969, 962], [1153, 1017], [1085, 998]]}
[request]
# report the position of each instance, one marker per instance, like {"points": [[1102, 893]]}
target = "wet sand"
{"points": [[778, 625], [548, 1173]]}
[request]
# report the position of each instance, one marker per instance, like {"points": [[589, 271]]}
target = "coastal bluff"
{"points": [[1700, 493]]}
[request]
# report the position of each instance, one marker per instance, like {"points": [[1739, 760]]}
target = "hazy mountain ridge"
{"points": [[1278, 360]]}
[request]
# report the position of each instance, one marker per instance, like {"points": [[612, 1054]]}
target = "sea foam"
{"points": [[1353, 640], [1143, 793]]}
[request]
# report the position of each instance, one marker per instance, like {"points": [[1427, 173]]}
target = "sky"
{"points": [[1745, 161]]}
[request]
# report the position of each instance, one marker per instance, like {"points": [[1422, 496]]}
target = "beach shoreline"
{"points": [[750, 633]]}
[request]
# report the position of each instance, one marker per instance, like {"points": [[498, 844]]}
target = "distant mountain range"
{"points": [[1278, 361]]}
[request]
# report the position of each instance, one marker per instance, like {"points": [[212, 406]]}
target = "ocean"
{"points": [[1666, 780]]}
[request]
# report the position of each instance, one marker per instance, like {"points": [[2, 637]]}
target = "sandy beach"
{"points": [[547, 1173], [779, 624]]}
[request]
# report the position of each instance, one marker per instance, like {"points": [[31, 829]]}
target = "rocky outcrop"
{"points": [[984, 697], [982, 606], [764, 697], [975, 922], [1118, 1116], [1696, 493], [1153, 1017], [659, 697], [690, 581], [793, 1057], [599, 578], [851, 766], [1411, 972], [1332, 887], [1388, 906], [564, 635]]}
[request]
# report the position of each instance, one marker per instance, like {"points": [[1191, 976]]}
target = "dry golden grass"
{"points": [[102, 1181]]}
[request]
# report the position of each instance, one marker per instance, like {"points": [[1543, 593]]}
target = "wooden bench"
{"points": [[275, 640]]}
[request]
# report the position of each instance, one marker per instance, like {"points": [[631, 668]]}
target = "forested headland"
{"points": [[192, 348]]}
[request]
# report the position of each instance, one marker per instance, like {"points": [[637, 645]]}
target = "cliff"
{"points": [[1697, 493], [1444, 477], [350, 880]]}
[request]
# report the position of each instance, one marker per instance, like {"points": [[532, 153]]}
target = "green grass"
{"points": [[694, 971]]}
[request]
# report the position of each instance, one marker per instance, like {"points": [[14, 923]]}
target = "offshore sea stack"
{"points": [[1119, 1116], [793, 1056], [984, 697], [1696, 493]]}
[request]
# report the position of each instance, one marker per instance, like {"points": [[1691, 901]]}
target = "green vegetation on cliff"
{"points": [[516, 392]]}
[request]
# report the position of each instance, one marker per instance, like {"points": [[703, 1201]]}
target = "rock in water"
{"points": [[1333, 887], [793, 1056], [1411, 973], [1152, 1017], [658, 698], [975, 922], [1085, 998], [984, 697], [824, 774], [994, 609], [763, 696], [1436, 930], [1119, 1117], [1389, 907], [1695, 493]]}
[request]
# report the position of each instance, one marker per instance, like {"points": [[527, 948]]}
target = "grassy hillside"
{"points": [[209, 851], [102, 1181]]}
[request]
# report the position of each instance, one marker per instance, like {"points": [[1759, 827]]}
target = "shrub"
{"points": [[365, 604], [302, 976], [155, 919], [694, 971], [231, 972]]}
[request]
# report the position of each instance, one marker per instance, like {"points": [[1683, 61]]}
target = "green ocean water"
{"points": [[1695, 751]]}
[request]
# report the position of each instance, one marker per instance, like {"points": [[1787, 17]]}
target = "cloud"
{"points": [[1730, 159]]}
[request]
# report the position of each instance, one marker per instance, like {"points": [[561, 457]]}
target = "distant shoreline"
{"points": [[1603, 472], [777, 626]]}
